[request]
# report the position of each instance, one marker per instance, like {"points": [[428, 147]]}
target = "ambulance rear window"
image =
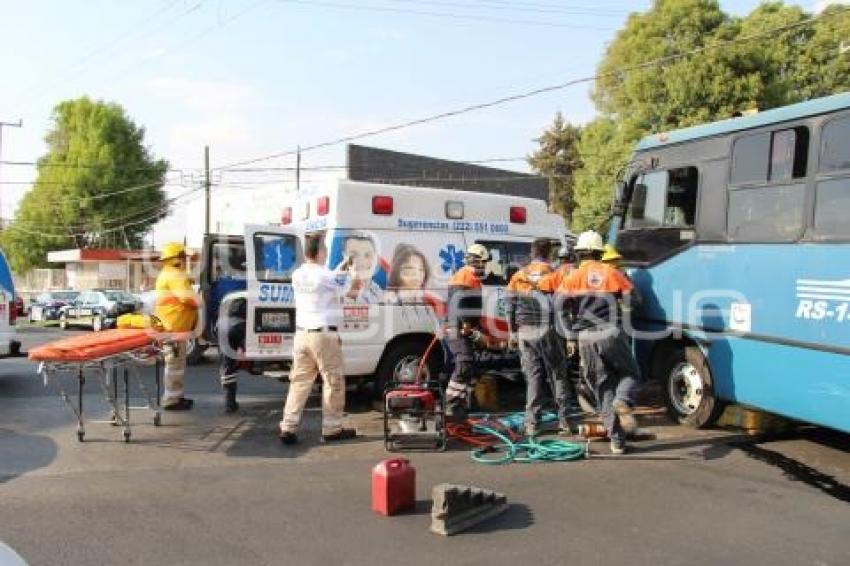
{"points": [[276, 256]]}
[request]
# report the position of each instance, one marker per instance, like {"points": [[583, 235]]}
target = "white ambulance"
{"points": [[405, 243]]}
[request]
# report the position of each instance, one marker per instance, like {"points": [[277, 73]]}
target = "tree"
{"points": [[800, 63], [97, 185], [558, 159]]}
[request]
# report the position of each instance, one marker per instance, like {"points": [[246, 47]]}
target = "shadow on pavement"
{"points": [[797, 471], [22, 453], [516, 517]]}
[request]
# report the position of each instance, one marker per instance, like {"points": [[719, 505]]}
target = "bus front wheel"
{"points": [[689, 390]]}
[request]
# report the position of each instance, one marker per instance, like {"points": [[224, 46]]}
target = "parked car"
{"points": [[99, 309], [47, 306], [9, 344]]}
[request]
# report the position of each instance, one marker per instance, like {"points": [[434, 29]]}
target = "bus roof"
{"points": [[777, 115]]}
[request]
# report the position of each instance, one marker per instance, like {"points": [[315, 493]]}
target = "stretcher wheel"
{"points": [[157, 419], [81, 436]]}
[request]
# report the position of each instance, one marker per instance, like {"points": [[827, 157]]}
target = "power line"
{"points": [[523, 7], [89, 166], [477, 18], [538, 91], [13, 226]]}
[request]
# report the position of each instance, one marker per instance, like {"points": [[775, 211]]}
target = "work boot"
{"points": [[288, 438], [183, 404], [626, 415], [456, 413], [230, 404], [343, 434], [618, 447]]}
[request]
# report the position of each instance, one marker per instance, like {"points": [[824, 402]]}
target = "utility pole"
{"points": [[298, 171], [207, 189], [17, 124]]}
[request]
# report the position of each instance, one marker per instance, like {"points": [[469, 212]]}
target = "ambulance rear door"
{"points": [[272, 253]]}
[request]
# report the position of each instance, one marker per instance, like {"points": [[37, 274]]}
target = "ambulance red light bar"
{"points": [[286, 215], [382, 205], [323, 206], [518, 215]]}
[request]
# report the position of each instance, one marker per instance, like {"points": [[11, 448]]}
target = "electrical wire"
{"points": [[13, 226], [523, 7], [91, 166], [538, 91], [477, 18]]}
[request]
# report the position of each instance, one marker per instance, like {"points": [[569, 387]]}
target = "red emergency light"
{"points": [[382, 205], [323, 206], [518, 214], [286, 215]]}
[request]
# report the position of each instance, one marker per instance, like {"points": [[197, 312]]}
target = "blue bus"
{"points": [[735, 235]]}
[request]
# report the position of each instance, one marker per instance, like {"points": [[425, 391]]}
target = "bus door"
{"points": [[272, 255]]}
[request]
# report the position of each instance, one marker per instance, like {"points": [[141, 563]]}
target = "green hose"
{"points": [[527, 451]]}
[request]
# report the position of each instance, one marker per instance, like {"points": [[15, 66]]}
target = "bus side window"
{"points": [[832, 195], [664, 199], [766, 190]]}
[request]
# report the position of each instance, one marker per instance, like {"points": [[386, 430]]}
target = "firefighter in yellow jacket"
{"points": [[177, 309]]}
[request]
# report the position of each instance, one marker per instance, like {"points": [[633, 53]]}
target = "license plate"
{"points": [[276, 320]]}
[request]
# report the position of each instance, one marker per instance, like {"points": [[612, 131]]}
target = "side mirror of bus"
{"points": [[621, 198]]}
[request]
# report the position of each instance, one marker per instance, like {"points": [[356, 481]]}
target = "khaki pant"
{"points": [[315, 353], [175, 370]]}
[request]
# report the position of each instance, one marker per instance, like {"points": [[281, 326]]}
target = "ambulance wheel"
{"points": [[401, 361], [689, 388]]}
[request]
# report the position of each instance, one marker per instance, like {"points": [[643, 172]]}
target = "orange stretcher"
{"points": [[111, 357]]}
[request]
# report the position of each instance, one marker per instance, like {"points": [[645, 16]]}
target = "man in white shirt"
{"points": [[317, 347]]}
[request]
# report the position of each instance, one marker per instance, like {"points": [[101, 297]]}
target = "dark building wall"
{"points": [[376, 165]]}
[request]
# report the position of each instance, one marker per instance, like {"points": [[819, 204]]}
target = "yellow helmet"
{"points": [[611, 253], [172, 250], [477, 251]]}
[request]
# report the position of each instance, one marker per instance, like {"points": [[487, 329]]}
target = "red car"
{"points": [[20, 309]]}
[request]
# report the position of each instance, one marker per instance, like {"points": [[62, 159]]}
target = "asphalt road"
{"points": [[208, 488]]}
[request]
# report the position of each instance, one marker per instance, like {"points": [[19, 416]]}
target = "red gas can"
{"points": [[393, 486]]}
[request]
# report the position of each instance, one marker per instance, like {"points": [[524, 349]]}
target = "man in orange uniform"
{"points": [[463, 327], [565, 266], [532, 330], [177, 309], [593, 294]]}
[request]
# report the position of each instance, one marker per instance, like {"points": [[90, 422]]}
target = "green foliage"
{"points": [[558, 159], [94, 151], [763, 73]]}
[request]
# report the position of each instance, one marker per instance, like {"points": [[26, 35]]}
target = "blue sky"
{"points": [[252, 77]]}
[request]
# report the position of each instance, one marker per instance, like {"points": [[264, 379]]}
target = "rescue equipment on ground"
{"points": [[458, 507], [592, 430], [498, 440], [112, 358], [393, 487], [415, 412]]}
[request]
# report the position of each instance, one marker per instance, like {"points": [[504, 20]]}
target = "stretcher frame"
{"points": [[114, 373]]}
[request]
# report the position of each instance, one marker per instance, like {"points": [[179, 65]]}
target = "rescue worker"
{"points": [[593, 293], [463, 327], [234, 333], [317, 348], [177, 309], [532, 330]]}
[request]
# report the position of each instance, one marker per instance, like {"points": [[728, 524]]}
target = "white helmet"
{"points": [[477, 252], [589, 241]]}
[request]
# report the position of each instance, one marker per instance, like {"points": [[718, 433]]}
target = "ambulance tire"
{"points": [[689, 388], [404, 351]]}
